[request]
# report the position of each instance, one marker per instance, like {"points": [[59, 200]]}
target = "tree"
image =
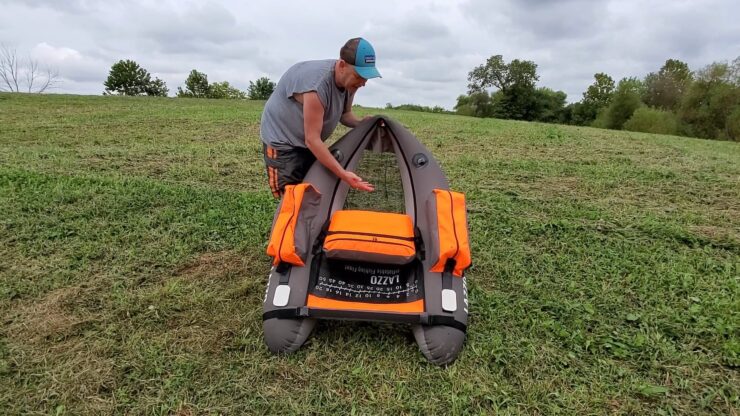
{"points": [[579, 114], [196, 86], [624, 102], [732, 126], [500, 75], [665, 89], [597, 97], [128, 78], [711, 100], [261, 90], [477, 104], [157, 88], [224, 90], [24, 75], [549, 105], [600, 92], [515, 83]]}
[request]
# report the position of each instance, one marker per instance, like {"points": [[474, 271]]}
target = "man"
{"points": [[303, 111]]}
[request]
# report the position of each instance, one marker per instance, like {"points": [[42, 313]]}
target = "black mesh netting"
{"points": [[381, 170]]}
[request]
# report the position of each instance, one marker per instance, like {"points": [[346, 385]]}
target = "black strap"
{"points": [[283, 269], [290, 313], [447, 274], [447, 321], [419, 242], [305, 312], [319, 243], [395, 237]]}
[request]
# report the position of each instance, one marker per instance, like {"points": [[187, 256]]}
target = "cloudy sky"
{"points": [[424, 48]]}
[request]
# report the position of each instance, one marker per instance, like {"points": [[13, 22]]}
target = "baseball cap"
{"points": [[360, 53]]}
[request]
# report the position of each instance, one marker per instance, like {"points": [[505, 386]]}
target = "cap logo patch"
{"points": [[369, 59]]}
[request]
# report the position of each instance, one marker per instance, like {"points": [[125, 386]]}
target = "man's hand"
{"points": [[356, 182]]}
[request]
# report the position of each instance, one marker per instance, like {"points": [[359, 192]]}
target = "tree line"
{"points": [[673, 100], [126, 77]]}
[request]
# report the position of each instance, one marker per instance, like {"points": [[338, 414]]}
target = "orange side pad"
{"points": [[453, 231], [323, 303], [282, 240]]}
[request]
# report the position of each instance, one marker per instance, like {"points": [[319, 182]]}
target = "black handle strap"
{"points": [[447, 273], [305, 312], [319, 243]]}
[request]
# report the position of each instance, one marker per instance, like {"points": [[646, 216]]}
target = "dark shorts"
{"points": [[286, 167]]}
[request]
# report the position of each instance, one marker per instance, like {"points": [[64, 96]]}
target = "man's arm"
{"points": [[313, 117], [349, 118]]}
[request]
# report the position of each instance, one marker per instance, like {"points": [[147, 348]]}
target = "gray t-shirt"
{"points": [[282, 119]]}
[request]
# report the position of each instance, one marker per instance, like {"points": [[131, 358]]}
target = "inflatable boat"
{"points": [[335, 263]]}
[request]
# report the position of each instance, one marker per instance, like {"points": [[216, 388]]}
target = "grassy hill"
{"points": [[132, 270]]}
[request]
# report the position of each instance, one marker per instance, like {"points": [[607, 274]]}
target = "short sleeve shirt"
{"points": [[282, 119]]}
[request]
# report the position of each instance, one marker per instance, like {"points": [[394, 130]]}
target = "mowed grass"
{"points": [[132, 270]]}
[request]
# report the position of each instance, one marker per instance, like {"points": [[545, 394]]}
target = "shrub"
{"points": [[652, 120], [732, 125]]}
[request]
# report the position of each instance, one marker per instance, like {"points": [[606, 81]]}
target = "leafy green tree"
{"points": [[624, 102], [550, 105], [224, 90], [666, 88], [575, 114], [732, 125], [196, 86], [710, 101], [597, 97], [515, 82], [477, 104], [498, 74], [126, 77], [600, 92], [157, 88], [260, 90]]}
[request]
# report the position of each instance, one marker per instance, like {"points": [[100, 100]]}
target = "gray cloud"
{"points": [[424, 48], [194, 30], [539, 20]]}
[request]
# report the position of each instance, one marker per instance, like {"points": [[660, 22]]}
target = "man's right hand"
{"points": [[356, 182]]}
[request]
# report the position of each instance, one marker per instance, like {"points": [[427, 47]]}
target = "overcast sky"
{"points": [[424, 49]]}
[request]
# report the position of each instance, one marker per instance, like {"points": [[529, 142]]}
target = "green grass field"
{"points": [[132, 270]]}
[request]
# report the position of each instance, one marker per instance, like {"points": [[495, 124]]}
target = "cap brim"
{"points": [[367, 72]]}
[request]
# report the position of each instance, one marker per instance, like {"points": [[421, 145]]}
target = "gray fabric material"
{"points": [[306, 215], [282, 119], [432, 244], [287, 335], [439, 344]]}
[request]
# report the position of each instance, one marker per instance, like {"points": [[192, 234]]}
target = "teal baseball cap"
{"points": [[360, 53]]}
